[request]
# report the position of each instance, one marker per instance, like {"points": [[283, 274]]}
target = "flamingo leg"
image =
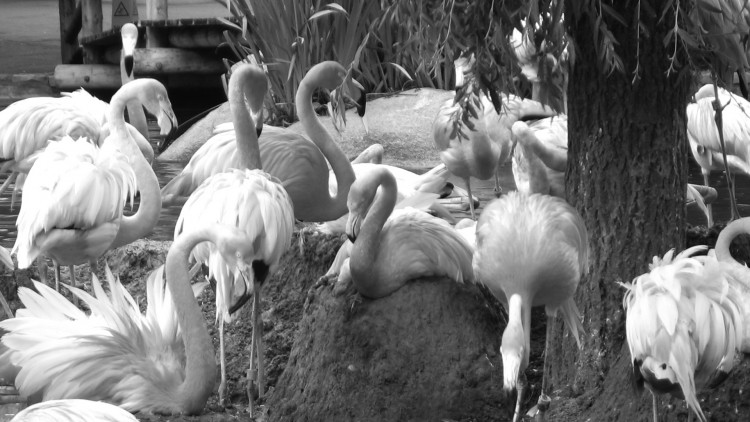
{"points": [[544, 400], [708, 206], [251, 372], [222, 360], [5, 306], [7, 182], [653, 401], [41, 265], [521, 387], [471, 198], [258, 327], [57, 276]]}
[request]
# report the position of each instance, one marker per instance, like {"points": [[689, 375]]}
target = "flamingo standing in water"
{"points": [[73, 410], [67, 212], [704, 136], [161, 362], [299, 164], [390, 248], [684, 323], [256, 203], [531, 250]]}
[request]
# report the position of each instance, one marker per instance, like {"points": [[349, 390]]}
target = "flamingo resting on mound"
{"points": [[488, 145], [292, 158], [684, 325], [161, 362], [253, 201], [704, 136], [74, 195], [389, 248], [531, 250], [73, 410]]}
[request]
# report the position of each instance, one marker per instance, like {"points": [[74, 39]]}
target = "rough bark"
{"points": [[626, 175]]}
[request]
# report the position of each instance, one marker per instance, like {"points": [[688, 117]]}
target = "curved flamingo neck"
{"points": [[200, 365], [365, 249], [143, 221], [146, 217], [244, 127], [314, 129], [519, 322], [726, 236]]}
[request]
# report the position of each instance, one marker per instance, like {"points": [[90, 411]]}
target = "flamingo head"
{"points": [[360, 198], [513, 352], [129, 34], [153, 96], [235, 249], [658, 375]]}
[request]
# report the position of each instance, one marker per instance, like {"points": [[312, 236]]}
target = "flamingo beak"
{"points": [[352, 226], [166, 119], [258, 120], [247, 293]]}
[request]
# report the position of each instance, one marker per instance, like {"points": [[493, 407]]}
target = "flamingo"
{"points": [[531, 250], [256, 203], [390, 248], [704, 136], [161, 362], [683, 326], [72, 203], [299, 164], [541, 155], [488, 145], [73, 410]]}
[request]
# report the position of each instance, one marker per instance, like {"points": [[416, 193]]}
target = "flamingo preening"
{"points": [[299, 163], [161, 362], [704, 136], [390, 248], [257, 204], [531, 250], [74, 195], [684, 323], [482, 149], [73, 410]]}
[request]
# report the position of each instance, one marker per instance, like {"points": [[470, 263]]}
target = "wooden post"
{"points": [[156, 10], [92, 25], [70, 21]]}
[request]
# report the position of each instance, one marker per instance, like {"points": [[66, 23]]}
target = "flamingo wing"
{"points": [[415, 244], [64, 353]]}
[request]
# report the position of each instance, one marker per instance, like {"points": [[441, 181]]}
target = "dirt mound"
{"points": [[429, 351]]}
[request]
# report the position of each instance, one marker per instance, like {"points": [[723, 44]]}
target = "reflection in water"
{"points": [[482, 189]]}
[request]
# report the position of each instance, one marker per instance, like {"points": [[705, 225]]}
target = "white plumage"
{"points": [[74, 186], [684, 325], [73, 410]]}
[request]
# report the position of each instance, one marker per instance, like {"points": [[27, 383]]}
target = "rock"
{"points": [[402, 123], [429, 351]]}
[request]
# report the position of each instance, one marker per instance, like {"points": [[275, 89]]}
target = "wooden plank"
{"points": [[88, 76], [197, 37], [107, 76], [164, 61], [70, 23]]}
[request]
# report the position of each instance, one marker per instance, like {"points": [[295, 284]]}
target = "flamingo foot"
{"points": [[542, 406]]}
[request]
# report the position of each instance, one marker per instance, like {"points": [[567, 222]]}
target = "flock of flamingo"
{"points": [[77, 164]]}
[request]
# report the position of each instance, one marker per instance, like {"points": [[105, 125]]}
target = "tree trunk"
{"points": [[626, 175]]}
